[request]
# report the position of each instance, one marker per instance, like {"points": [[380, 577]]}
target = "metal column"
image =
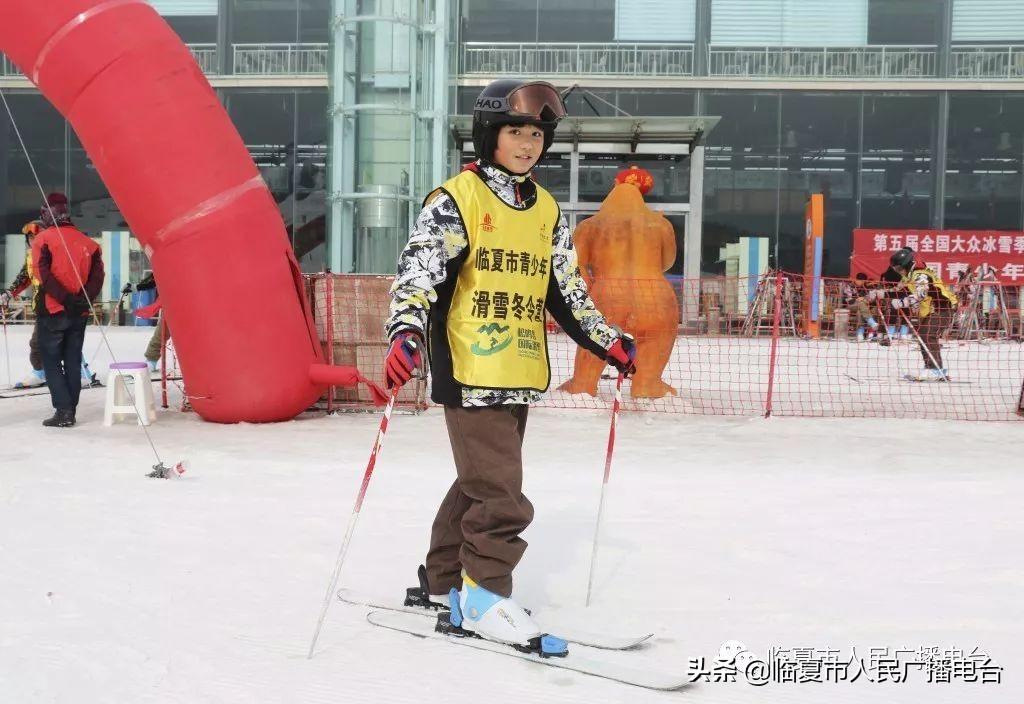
{"points": [[439, 109], [365, 103], [693, 236], [224, 17], [343, 83], [941, 142]]}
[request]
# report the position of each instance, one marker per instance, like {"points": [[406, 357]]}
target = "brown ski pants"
{"points": [[479, 521], [157, 340], [931, 329]]}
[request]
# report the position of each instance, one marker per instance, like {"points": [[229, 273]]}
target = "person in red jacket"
{"points": [[70, 270]]}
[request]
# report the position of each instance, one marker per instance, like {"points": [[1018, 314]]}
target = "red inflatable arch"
{"points": [[190, 192]]}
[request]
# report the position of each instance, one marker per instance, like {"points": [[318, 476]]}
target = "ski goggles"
{"points": [[533, 101]]}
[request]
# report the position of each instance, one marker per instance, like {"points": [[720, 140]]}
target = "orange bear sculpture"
{"points": [[623, 252]]}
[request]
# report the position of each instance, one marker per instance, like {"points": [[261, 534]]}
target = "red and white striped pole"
{"points": [[7, 345], [776, 316], [163, 361], [604, 483], [332, 587]]}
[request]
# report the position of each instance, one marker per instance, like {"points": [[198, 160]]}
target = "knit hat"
{"points": [[55, 212]]}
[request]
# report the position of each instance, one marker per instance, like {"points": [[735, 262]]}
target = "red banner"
{"points": [[947, 252]]}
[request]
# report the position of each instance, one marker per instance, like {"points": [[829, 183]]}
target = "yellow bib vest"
{"points": [[934, 284], [30, 270], [496, 320]]}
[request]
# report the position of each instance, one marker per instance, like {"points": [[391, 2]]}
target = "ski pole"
{"points": [[921, 342], [352, 520], [7, 345], [884, 323], [604, 483]]}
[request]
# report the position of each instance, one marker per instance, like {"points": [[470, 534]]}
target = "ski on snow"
{"points": [[947, 380], [29, 391], [414, 624], [42, 390], [25, 392], [592, 640]]}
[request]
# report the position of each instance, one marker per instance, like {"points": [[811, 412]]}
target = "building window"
{"points": [[789, 23], [741, 176], [257, 22], [897, 179], [286, 133], [905, 22], [988, 20], [44, 132], [818, 154], [985, 152], [655, 20]]}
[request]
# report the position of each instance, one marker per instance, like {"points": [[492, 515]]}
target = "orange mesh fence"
{"points": [[349, 311], [715, 363], [740, 346], [853, 370]]}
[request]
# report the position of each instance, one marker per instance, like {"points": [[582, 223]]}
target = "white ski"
{"points": [[947, 380], [416, 625], [592, 640]]}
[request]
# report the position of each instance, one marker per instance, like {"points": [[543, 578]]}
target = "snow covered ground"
{"points": [[792, 533]]}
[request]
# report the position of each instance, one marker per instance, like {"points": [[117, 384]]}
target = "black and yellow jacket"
{"points": [[928, 293], [428, 276]]}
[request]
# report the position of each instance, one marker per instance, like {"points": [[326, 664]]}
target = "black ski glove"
{"points": [[76, 305]]}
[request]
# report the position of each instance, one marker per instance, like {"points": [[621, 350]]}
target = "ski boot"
{"points": [[477, 612], [89, 378], [929, 374], [36, 378], [421, 597]]}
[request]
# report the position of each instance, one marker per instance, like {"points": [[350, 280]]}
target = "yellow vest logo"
{"points": [[495, 325], [496, 337]]}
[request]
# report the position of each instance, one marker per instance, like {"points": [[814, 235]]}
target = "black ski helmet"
{"points": [[902, 259], [513, 101]]}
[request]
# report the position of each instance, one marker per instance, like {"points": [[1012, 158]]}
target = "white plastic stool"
{"points": [[119, 402]]}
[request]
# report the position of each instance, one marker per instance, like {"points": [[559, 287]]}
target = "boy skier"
{"points": [[935, 304], [855, 295], [489, 253]]}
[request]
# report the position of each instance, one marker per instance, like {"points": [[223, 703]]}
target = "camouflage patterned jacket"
{"points": [[427, 273]]}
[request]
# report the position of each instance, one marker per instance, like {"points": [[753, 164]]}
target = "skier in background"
{"points": [[489, 253], [891, 280], [159, 338], [934, 302], [27, 277], [856, 295]]}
